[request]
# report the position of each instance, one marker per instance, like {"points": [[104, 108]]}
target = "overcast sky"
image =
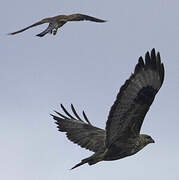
{"points": [[85, 64]]}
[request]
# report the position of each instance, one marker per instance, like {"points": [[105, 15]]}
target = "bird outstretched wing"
{"points": [[134, 99], [82, 17], [80, 132], [33, 25]]}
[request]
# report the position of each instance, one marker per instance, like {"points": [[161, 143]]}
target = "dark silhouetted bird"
{"points": [[122, 136], [58, 21]]}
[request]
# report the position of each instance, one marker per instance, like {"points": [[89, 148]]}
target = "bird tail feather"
{"points": [[42, 33], [97, 157], [49, 29], [81, 163]]}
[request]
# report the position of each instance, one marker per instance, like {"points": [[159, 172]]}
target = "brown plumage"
{"points": [[122, 136], [58, 21]]}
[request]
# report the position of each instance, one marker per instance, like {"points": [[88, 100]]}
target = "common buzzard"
{"points": [[122, 136], [58, 21]]}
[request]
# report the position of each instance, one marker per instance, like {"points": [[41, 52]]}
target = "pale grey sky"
{"points": [[85, 64]]}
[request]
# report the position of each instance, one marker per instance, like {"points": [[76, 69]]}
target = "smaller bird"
{"points": [[58, 21]]}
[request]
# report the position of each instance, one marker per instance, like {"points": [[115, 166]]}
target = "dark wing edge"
{"points": [[82, 17], [80, 131], [134, 98]]}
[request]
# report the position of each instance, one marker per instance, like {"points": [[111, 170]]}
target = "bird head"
{"points": [[147, 139]]}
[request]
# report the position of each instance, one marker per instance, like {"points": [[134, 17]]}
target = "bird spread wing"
{"points": [[82, 133], [33, 25], [81, 17], [134, 99]]}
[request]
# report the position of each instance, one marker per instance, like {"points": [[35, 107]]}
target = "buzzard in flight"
{"points": [[58, 21], [122, 136]]}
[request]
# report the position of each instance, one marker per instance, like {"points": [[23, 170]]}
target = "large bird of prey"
{"points": [[122, 137], [58, 21]]}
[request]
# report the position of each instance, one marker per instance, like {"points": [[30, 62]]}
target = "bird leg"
{"points": [[55, 31]]}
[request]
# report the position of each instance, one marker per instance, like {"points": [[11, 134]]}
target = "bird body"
{"points": [[127, 147], [121, 137], [58, 21]]}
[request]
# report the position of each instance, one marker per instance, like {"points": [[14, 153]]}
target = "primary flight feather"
{"points": [[122, 137]]}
